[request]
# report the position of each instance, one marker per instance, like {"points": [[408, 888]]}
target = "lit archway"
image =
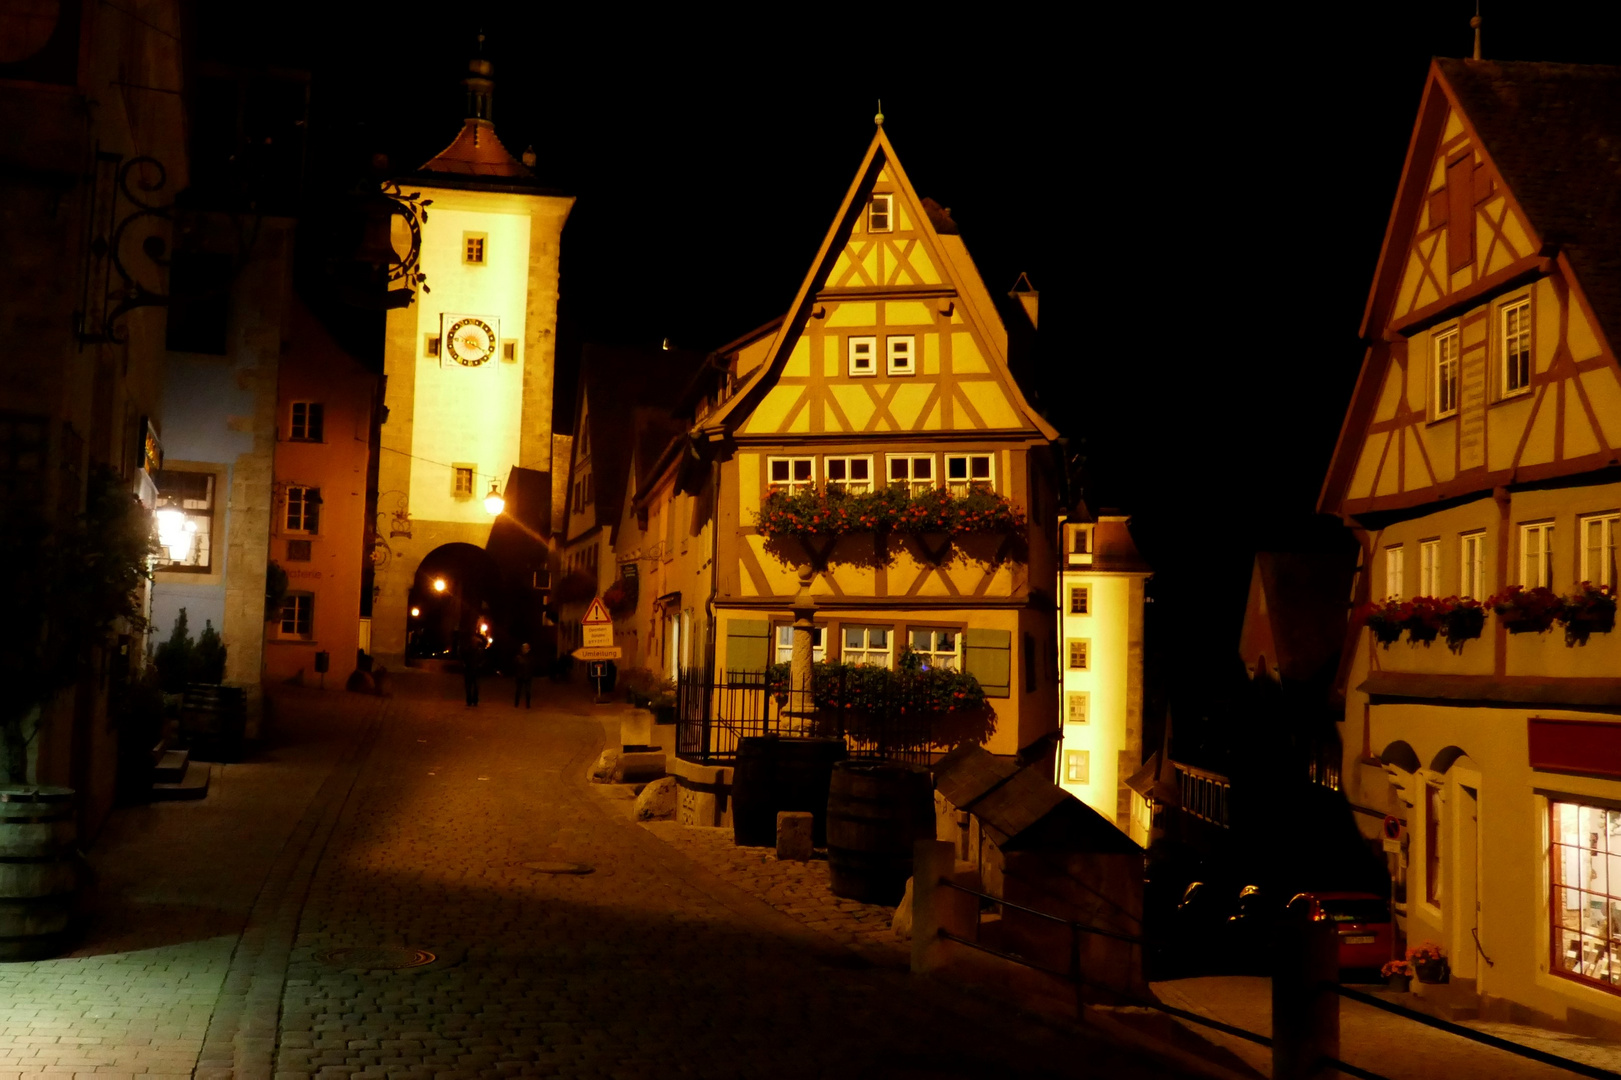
{"points": [[456, 591]]}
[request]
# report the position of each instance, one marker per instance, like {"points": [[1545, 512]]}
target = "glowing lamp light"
{"points": [[438, 584], [484, 628], [176, 532], [416, 612], [493, 501]]}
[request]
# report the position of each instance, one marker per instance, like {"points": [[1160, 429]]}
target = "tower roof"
{"points": [[476, 157]]}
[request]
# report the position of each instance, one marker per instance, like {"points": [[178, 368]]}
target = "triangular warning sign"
{"points": [[596, 613]]}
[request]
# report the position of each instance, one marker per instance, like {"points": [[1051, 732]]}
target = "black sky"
{"points": [[1199, 193]]}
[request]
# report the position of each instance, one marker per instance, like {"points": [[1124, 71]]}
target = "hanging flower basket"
{"points": [[1527, 611], [620, 599], [1590, 611]]}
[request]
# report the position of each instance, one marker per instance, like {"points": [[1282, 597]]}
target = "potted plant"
{"points": [[1590, 611], [620, 598], [1423, 617], [1429, 963], [1384, 619], [1464, 621], [1398, 975], [1527, 611]]}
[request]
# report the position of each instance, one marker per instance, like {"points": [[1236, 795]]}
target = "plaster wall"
{"points": [[1112, 734]]}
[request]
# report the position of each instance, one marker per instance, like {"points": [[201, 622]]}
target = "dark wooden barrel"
{"points": [[804, 774], [38, 873], [754, 803], [874, 814]]}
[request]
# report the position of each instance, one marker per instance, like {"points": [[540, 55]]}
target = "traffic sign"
{"points": [[597, 613], [604, 652], [597, 628], [1392, 837]]}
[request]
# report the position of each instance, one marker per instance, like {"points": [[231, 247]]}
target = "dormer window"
{"points": [[878, 213], [901, 349], [863, 356]]}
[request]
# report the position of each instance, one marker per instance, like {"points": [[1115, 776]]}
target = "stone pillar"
{"points": [[800, 703]]}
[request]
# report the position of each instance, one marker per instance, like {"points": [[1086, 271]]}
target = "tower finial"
{"points": [[1475, 23], [879, 119]]}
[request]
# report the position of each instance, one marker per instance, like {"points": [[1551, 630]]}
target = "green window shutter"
{"points": [[748, 644], [987, 655]]}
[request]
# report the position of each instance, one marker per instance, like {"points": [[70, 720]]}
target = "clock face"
{"points": [[470, 342]]}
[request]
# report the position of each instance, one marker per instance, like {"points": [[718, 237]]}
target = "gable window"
{"points": [[938, 648], [785, 644], [879, 213], [1429, 568], [866, 645], [298, 616], [791, 474], [1077, 766], [1080, 600], [1395, 560], [1078, 707], [900, 349], [967, 471], [473, 247], [1536, 555], [1598, 549], [863, 355], [1080, 539], [850, 475], [1080, 654], [303, 509], [461, 481], [1516, 347], [308, 421], [1473, 579], [912, 471], [185, 514], [1446, 374]]}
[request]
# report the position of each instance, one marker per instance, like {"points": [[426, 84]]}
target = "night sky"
{"points": [[1199, 194]]}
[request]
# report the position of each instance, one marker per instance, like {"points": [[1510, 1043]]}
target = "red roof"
{"points": [[476, 151]]}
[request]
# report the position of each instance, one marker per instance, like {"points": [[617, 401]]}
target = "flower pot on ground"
{"points": [[1526, 611], [1398, 975], [1591, 610], [1429, 963]]}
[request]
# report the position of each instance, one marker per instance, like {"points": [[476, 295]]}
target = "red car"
{"points": [[1367, 935]]}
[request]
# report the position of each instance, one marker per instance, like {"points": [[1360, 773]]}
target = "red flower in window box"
{"points": [[1527, 611], [1384, 619], [1590, 611]]}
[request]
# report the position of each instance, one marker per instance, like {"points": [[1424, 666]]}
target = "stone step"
{"points": [[171, 767], [192, 785]]}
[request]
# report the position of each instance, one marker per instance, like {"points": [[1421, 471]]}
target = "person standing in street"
{"points": [[472, 657], [523, 670]]}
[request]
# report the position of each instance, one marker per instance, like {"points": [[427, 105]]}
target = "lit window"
{"points": [[430, 345], [303, 509], [1585, 846], [879, 212], [1395, 571], [1080, 539], [1598, 549], [938, 648], [1077, 766], [190, 495], [968, 471], [790, 475], [901, 351], [912, 471], [1473, 580], [1079, 706], [1080, 600], [1536, 555], [1516, 347], [1429, 568], [785, 644], [473, 247], [851, 475], [866, 645], [1080, 654], [462, 477], [297, 615], [1446, 374], [863, 356], [308, 421]]}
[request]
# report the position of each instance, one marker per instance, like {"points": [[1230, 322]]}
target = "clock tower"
{"points": [[469, 361]]}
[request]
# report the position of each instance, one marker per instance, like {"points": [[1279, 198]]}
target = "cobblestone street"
{"points": [[418, 822]]}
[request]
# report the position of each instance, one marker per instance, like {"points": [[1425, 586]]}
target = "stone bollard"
{"points": [[1305, 1007], [932, 907], [795, 834]]}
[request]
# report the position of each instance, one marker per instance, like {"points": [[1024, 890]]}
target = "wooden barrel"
{"points": [[874, 814], [803, 777], [754, 803], [38, 874]]}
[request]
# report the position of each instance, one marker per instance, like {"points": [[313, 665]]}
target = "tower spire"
{"points": [[480, 83], [1475, 24]]}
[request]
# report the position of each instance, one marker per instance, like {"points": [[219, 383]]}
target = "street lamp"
{"points": [[416, 613], [493, 501], [438, 584]]}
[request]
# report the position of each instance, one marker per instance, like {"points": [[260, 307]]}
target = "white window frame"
{"points": [[785, 643], [1072, 698], [1395, 572], [1516, 313], [1472, 560], [900, 354], [887, 199], [303, 504], [1429, 567], [791, 485], [1086, 654], [1446, 353], [288, 620], [962, 487], [457, 471], [934, 656], [854, 344], [1077, 766], [1536, 554], [1085, 594], [1605, 526], [847, 464], [865, 652], [909, 463]]}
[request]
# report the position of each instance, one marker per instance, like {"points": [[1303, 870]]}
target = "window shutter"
{"points": [[988, 657], [312, 510], [748, 644], [1460, 214]]}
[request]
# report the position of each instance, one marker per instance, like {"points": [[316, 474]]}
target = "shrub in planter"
{"points": [[1526, 611], [1590, 611], [1463, 621], [1398, 974]]}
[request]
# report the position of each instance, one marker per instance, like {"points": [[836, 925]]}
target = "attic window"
{"points": [[473, 247], [878, 213], [863, 356]]}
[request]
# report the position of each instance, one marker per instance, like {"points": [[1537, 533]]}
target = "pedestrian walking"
{"points": [[523, 670], [472, 657]]}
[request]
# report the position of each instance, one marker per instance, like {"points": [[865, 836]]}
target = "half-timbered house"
{"points": [[1479, 458]]}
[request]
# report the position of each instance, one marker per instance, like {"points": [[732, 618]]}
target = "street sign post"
{"points": [[1392, 837], [597, 638], [608, 652]]}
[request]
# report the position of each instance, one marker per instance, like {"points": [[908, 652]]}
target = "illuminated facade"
{"points": [[469, 362], [1479, 454]]}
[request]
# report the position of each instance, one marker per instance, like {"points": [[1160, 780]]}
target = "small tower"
{"points": [[469, 363]]}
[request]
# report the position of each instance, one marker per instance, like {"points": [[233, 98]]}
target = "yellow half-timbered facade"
{"points": [[1479, 459]]}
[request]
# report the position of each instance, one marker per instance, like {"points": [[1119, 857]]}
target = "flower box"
{"points": [[813, 513], [1464, 621], [1590, 611], [1527, 611]]}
